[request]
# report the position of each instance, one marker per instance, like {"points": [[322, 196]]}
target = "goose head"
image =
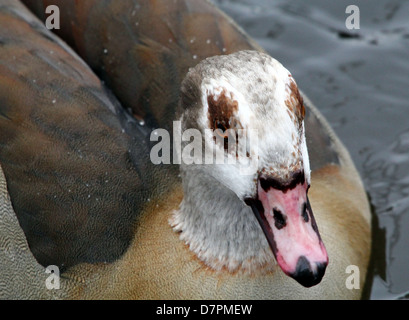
{"points": [[246, 106]]}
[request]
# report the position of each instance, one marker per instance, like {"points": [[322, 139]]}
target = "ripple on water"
{"points": [[386, 175]]}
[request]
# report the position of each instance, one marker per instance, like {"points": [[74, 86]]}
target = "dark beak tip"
{"points": [[305, 275]]}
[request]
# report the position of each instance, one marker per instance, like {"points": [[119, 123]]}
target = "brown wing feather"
{"points": [[143, 51], [77, 168]]}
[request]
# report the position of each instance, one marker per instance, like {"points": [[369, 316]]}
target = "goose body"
{"points": [[78, 188]]}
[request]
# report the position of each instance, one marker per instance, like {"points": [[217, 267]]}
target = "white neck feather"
{"points": [[218, 227]]}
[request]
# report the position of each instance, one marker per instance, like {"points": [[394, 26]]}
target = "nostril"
{"points": [[304, 213], [305, 274]]}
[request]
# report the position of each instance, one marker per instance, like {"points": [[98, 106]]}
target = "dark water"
{"points": [[359, 79]]}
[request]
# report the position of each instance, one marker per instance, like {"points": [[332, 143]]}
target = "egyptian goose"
{"points": [[82, 192]]}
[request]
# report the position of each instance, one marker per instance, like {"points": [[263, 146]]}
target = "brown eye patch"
{"points": [[221, 116], [221, 110]]}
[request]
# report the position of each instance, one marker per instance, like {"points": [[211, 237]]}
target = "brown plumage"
{"points": [[76, 177], [143, 49]]}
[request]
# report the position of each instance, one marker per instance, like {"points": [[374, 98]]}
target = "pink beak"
{"points": [[285, 215]]}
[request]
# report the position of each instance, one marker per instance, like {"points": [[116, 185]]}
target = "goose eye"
{"points": [[220, 126], [222, 129]]}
